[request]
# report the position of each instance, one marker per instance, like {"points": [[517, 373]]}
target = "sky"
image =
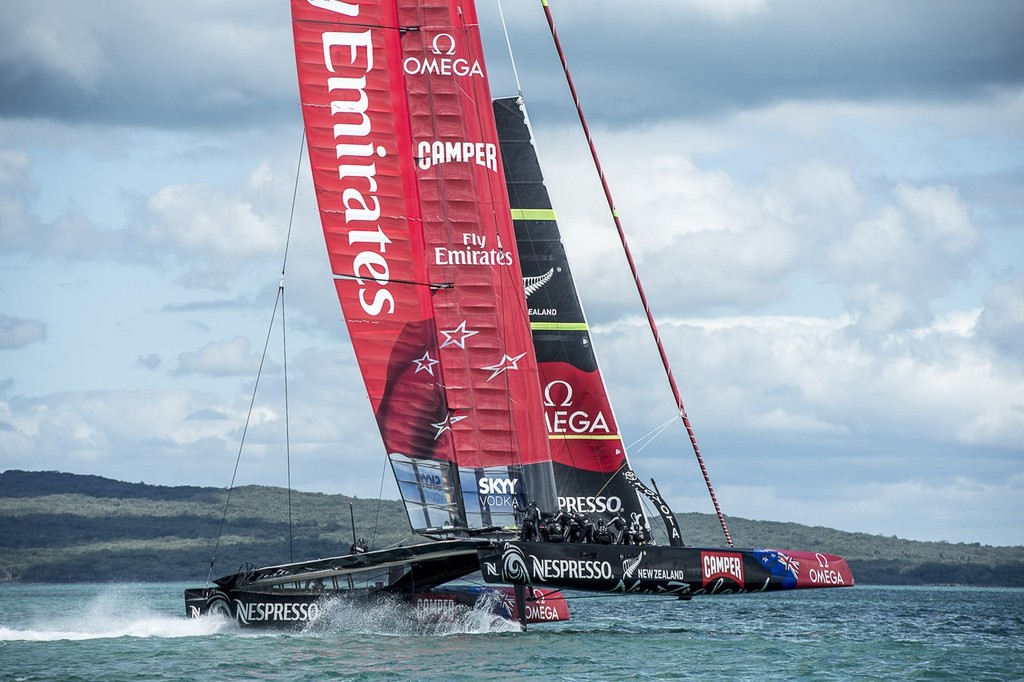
{"points": [[824, 201]]}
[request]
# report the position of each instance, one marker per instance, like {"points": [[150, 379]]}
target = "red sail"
{"points": [[412, 198]]}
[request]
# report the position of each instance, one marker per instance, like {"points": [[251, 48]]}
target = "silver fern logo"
{"points": [[533, 284], [513, 565], [629, 566]]}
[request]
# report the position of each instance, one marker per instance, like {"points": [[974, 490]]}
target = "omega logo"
{"points": [[569, 421], [435, 46], [566, 402], [444, 61]]}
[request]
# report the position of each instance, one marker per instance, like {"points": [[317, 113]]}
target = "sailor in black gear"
{"points": [[586, 528], [529, 531], [618, 528], [601, 534], [572, 528], [558, 527]]}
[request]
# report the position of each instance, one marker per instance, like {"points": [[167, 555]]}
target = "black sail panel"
{"points": [[586, 448]]}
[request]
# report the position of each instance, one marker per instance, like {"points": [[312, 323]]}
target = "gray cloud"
{"points": [[693, 64], [16, 332], [162, 65], [219, 359], [196, 64], [1001, 322], [151, 361]]}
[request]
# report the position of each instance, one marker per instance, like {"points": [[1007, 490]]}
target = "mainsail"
{"points": [[418, 226]]}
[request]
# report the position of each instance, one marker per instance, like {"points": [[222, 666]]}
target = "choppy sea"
{"points": [[139, 632]]}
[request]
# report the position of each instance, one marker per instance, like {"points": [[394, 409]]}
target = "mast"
{"points": [[636, 277]]}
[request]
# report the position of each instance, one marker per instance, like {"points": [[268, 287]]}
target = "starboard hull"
{"points": [[664, 570]]}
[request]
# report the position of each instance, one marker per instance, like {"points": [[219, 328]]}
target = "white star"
{"points": [[425, 364], [506, 363], [446, 425], [457, 336]]}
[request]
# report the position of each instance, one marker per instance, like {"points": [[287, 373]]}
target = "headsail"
{"points": [[592, 471], [418, 227]]}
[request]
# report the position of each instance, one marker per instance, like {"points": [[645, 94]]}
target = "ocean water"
{"points": [[139, 632]]}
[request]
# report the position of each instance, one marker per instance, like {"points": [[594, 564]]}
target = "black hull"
{"points": [[298, 610], [293, 596], [662, 570], [256, 609]]}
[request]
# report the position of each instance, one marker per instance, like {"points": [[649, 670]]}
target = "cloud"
{"points": [[52, 43], [119, 63], [218, 68], [894, 263], [16, 225], [70, 234], [944, 509], [206, 414], [916, 244], [1001, 323], [17, 333], [151, 361], [220, 358], [706, 60], [154, 434], [803, 379], [210, 232], [207, 234], [140, 432]]}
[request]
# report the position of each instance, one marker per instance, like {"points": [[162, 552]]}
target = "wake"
{"points": [[401, 619], [113, 613], [121, 611]]}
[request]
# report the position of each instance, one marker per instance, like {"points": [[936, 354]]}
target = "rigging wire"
{"points": [[636, 277], [284, 341], [380, 494], [287, 430], [278, 300], [245, 431], [511, 55], [651, 436]]}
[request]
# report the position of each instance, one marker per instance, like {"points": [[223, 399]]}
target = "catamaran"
{"points": [[473, 346]]}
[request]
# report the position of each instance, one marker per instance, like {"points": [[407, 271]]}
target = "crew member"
{"points": [[618, 528], [529, 530]]}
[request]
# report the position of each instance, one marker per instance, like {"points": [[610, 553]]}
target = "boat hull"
{"points": [[420, 576], [256, 609], [663, 570], [297, 610]]}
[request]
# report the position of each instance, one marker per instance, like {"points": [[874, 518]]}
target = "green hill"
{"points": [[69, 527]]}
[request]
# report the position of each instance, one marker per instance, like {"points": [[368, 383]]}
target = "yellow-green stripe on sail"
{"points": [[559, 326], [533, 214]]}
